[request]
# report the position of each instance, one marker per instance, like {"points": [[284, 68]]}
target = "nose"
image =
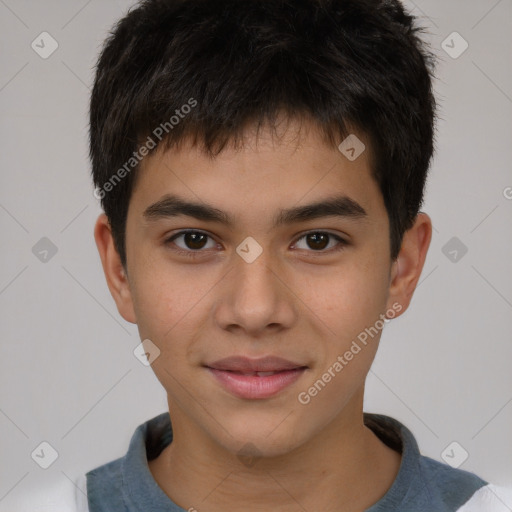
{"points": [[255, 298]]}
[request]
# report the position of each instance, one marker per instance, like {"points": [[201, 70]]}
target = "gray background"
{"points": [[68, 375]]}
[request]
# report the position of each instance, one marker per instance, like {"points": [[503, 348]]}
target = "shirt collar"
{"points": [[142, 492]]}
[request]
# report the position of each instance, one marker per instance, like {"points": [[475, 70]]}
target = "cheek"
{"points": [[351, 305], [334, 387], [163, 295], [347, 299], [168, 318], [171, 306], [352, 326]]}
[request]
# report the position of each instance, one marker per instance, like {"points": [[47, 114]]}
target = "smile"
{"points": [[254, 379]]}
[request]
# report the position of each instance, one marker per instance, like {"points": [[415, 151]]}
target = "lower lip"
{"points": [[253, 387]]}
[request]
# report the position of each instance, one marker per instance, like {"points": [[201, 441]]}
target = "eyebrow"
{"points": [[338, 206]]}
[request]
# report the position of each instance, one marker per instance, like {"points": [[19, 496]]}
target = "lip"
{"points": [[238, 375], [244, 364]]}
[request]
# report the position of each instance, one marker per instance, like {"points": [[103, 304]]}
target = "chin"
{"points": [[256, 441]]}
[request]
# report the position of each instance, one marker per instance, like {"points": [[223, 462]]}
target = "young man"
{"points": [[261, 165]]}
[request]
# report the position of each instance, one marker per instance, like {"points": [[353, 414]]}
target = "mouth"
{"points": [[257, 374], [254, 379]]}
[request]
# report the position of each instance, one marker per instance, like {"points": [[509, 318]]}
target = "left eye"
{"points": [[318, 240]]}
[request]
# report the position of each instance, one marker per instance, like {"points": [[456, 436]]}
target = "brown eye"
{"points": [[190, 241], [318, 241], [194, 240]]}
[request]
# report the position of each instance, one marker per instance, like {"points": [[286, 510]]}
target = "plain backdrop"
{"points": [[68, 375]]}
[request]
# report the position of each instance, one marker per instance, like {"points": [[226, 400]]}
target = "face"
{"points": [[266, 302]]}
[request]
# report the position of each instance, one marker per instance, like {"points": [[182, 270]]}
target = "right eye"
{"points": [[192, 241]]}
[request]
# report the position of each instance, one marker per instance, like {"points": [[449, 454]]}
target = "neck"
{"points": [[343, 468]]}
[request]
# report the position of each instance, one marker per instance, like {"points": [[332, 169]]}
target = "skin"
{"points": [[297, 300]]}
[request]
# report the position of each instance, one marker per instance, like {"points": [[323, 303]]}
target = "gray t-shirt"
{"points": [[422, 484]]}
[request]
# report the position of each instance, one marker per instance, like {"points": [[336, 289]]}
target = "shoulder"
{"points": [[444, 476], [490, 498], [105, 484], [464, 491]]}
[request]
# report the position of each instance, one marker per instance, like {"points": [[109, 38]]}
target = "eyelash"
{"points": [[197, 253]]}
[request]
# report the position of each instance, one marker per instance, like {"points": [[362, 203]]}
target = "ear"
{"points": [[406, 269], [115, 273]]}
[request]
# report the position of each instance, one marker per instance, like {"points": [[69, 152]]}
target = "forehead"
{"points": [[277, 167]]}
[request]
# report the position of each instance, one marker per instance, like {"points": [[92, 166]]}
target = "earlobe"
{"points": [[408, 266], [115, 274]]}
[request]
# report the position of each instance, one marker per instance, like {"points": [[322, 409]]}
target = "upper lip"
{"points": [[246, 364]]}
